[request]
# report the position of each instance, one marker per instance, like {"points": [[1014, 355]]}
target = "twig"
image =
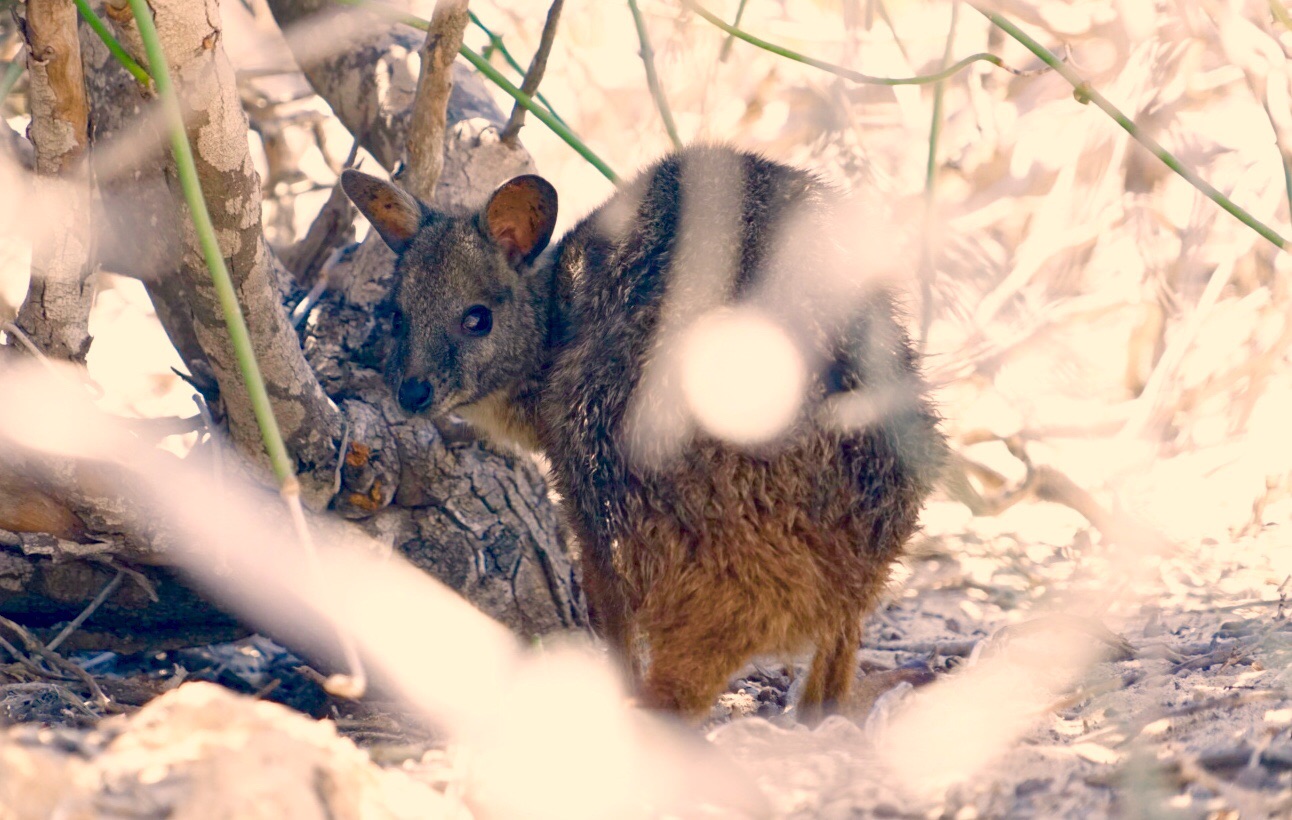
{"points": [[496, 44], [1111, 684], [652, 79], [1085, 93], [1244, 802], [731, 38], [847, 73], [333, 226], [426, 127], [228, 298], [22, 660], [154, 429], [34, 646], [534, 75], [559, 129], [19, 334], [108, 588], [955, 649]]}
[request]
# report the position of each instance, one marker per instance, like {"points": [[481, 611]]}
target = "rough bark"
{"points": [[479, 520], [135, 201], [426, 134], [368, 73], [463, 496], [55, 314], [311, 424]]}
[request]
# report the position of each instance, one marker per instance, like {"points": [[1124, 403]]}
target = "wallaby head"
{"points": [[471, 313]]}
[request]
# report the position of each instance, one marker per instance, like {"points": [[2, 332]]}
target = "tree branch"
{"points": [[56, 312], [534, 75], [311, 425], [434, 85], [368, 78]]}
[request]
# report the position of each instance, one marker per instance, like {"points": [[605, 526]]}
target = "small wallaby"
{"points": [[713, 551]]}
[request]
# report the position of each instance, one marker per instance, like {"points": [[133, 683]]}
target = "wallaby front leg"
{"points": [[608, 608]]}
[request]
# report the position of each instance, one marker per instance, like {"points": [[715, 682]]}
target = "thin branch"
{"points": [[430, 106], [496, 44], [535, 74], [524, 99], [56, 311], [731, 38], [848, 73], [75, 624], [652, 79], [118, 51], [56, 660], [1085, 93], [494, 76]]}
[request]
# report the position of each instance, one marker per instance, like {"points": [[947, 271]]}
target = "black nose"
{"points": [[414, 395]]}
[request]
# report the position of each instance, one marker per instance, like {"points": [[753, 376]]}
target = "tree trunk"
{"points": [[479, 520]]}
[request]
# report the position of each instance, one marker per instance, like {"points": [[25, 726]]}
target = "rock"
{"points": [[201, 752]]}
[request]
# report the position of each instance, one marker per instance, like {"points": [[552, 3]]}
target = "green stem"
{"points": [[11, 74], [726, 46], [930, 185], [482, 65], [283, 467], [652, 79], [137, 71], [496, 43], [838, 70], [939, 91], [494, 76], [1084, 93]]}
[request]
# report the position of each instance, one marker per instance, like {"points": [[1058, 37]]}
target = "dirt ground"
{"points": [[1156, 687]]}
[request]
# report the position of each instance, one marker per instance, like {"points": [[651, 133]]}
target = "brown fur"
{"points": [[715, 553]]}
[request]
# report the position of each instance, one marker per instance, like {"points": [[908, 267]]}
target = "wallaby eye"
{"points": [[477, 321], [397, 322]]}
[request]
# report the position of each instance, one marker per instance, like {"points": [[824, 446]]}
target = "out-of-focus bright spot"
{"points": [[1279, 717], [131, 358], [956, 727], [580, 780], [742, 376], [15, 265], [51, 411], [948, 518]]}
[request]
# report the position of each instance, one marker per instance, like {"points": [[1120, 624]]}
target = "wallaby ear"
{"points": [[393, 212], [520, 217]]}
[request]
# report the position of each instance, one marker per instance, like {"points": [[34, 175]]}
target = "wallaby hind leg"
{"points": [[686, 675], [833, 668], [609, 610], [697, 642]]}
